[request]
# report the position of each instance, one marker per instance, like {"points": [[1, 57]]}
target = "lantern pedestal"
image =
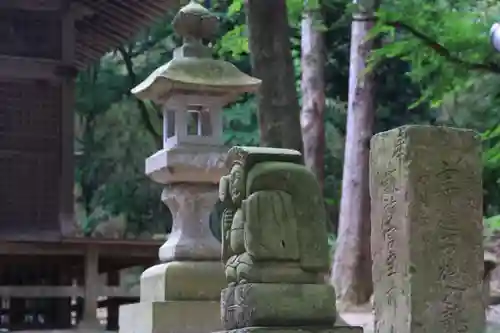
{"points": [[190, 238], [178, 296], [182, 294], [183, 281], [169, 317], [187, 164]]}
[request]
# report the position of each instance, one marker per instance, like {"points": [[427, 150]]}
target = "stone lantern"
{"points": [[192, 89]]}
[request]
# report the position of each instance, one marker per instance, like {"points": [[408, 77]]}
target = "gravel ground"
{"points": [[493, 318]]}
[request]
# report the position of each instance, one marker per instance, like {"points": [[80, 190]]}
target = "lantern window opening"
{"points": [[206, 124], [168, 124], [193, 123], [199, 122]]}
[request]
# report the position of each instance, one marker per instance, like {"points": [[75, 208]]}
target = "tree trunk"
{"points": [[271, 58], [352, 275], [313, 95]]}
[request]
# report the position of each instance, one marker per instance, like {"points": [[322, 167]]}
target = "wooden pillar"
{"points": [[16, 313], [62, 319], [91, 285], [113, 303], [66, 201], [17, 305]]}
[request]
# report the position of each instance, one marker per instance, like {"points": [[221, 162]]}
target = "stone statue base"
{"points": [[170, 317], [296, 330], [273, 304], [280, 308]]}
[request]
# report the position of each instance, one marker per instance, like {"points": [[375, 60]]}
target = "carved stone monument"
{"points": [[182, 294], [426, 191], [274, 245]]}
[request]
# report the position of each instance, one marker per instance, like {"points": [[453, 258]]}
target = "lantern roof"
{"points": [[192, 69]]}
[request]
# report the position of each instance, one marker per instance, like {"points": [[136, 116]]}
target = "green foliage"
{"points": [[240, 124], [332, 244], [395, 94], [110, 171], [491, 173], [235, 41], [114, 137], [116, 132], [430, 53], [446, 47], [443, 41], [332, 241], [491, 224]]}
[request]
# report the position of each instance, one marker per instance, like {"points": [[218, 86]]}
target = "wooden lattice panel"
{"points": [[30, 155], [30, 116], [30, 34], [30, 194]]}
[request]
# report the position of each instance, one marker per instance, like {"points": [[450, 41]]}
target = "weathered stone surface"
{"points": [[169, 317], [192, 68], [187, 164], [274, 212], [427, 230], [191, 17], [249, 156], [183, 281], [274, 245], [277, 305], [339, 329], [191, 238], [245, 267]]}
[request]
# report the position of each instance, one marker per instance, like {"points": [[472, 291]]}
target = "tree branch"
{"points": [[440, 49], [145, 46], [140, 104], [443, 51]]}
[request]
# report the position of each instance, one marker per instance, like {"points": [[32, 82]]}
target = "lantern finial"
{"points": [[194, 22]]}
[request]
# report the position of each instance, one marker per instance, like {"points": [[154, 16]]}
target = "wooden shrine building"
{"points": [[44, 45]]}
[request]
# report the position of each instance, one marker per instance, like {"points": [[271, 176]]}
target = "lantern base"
{"points": [[170, 317], [187, 164]]}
